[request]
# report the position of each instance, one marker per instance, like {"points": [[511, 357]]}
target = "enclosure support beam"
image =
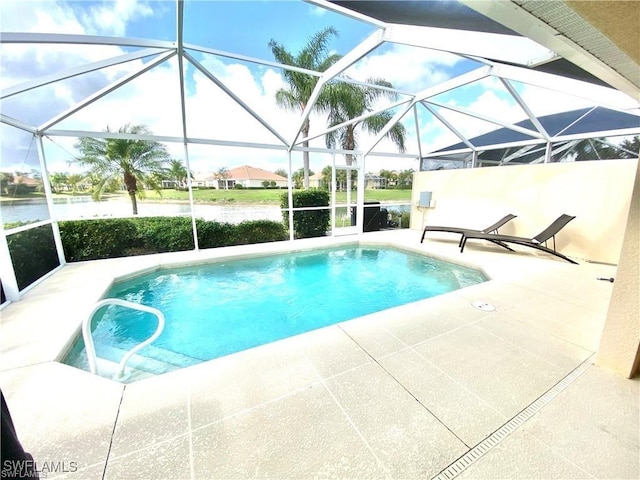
{"points": [[9, 281], [290, 196], [49, 196]]}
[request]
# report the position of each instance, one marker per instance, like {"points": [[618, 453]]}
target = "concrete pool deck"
{"points": [[419, 391]]}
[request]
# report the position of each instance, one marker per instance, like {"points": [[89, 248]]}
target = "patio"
{"points": [[424, 390]]}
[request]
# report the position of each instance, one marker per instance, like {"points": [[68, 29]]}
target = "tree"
{"points": [[630, 148], [348, 101], [594, 149], [178, 172], [390, 175], [74, 180], [282, 172], [314, 56], [298, 178], [326, 177], [5, 180], [134, 161], [223, 174], [58, 180], [405, 178]]}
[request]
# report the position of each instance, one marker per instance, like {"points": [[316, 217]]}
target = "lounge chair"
{"points": [[535, 242], [491, 229]]}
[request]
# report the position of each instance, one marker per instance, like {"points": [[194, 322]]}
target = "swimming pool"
{"points": [[224, 307]]}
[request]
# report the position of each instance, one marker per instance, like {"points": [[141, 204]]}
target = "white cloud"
{"points": [[38, 17], [317, 11], [153, 98], [407, 68], [111, 18]]}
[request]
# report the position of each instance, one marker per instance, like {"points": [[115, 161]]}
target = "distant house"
{"points": [[248, 177], [374, 182], [204, 180], [251, 177], [23, 184], [169, 184], [315, 180]]}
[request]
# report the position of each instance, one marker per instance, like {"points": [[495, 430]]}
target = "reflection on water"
{"points": [[74, 208]]}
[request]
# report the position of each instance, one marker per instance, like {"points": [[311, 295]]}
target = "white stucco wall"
{"points": [[598, 193], [620, 343]]}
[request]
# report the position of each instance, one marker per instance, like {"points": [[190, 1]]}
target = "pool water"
{"points": [[216, 309]]}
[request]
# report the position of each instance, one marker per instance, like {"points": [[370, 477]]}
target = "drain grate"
{"points": [[487, 307], [496, 437]]}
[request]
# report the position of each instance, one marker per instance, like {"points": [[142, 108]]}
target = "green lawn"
{"points": [[268, 197], [238, 197]]}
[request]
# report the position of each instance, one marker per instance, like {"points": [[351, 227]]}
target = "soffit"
{"points": [[597, 42], [608, 30]]}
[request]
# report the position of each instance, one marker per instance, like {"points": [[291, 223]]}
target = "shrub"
{"points": [[95, 239], [33, 254], [165, 234], [119, 237], [309, 223], [259, 231], [214, 234]]}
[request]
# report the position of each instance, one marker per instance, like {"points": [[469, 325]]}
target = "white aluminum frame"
{"points": [[424, 37]]}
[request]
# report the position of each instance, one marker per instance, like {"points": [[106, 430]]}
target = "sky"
{"points": [[239, 27]]}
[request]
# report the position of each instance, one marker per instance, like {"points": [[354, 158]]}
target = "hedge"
{"points": [[120, 237], [33, 254], [308, 223]]}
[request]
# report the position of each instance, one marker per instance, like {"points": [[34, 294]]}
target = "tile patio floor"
{"points": [[399, 394]]}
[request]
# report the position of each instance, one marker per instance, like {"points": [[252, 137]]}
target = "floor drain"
{"points": [[480, 305], [496, 437]]}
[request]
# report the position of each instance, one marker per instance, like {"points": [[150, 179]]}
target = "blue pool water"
{"points": [[216, 309]]}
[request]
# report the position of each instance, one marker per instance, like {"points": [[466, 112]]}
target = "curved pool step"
{"points": [[149, 361], [109, 369], [161, 354]]}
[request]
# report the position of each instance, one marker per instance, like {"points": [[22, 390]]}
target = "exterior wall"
{"points": [[257, 183], [598, 193], [619, 348]]}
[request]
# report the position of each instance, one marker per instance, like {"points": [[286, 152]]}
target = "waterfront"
{"points": [[76, 208]]}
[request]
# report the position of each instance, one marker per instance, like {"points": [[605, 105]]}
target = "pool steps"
{"points": [[149, 361], [87, 334]]}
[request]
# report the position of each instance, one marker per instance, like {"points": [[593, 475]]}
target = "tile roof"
{"points": [[245, 172]]}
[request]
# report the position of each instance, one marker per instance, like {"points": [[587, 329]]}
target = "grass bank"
{"points": [[266, 197], [237, 197]]}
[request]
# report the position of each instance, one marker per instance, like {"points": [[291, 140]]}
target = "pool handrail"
{"points": [[88, 338]]}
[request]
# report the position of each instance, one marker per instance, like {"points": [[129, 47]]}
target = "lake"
{"points": [[75, 208], [82, 207]]}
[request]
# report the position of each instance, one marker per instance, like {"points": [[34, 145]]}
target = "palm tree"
{"points": [[630, 148], [177, 172], [297, 178], [314, 56], [58, 180], [390, 175], [594, 149], [348, 101], [134, 161], [405, 178], [74, 180]]}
